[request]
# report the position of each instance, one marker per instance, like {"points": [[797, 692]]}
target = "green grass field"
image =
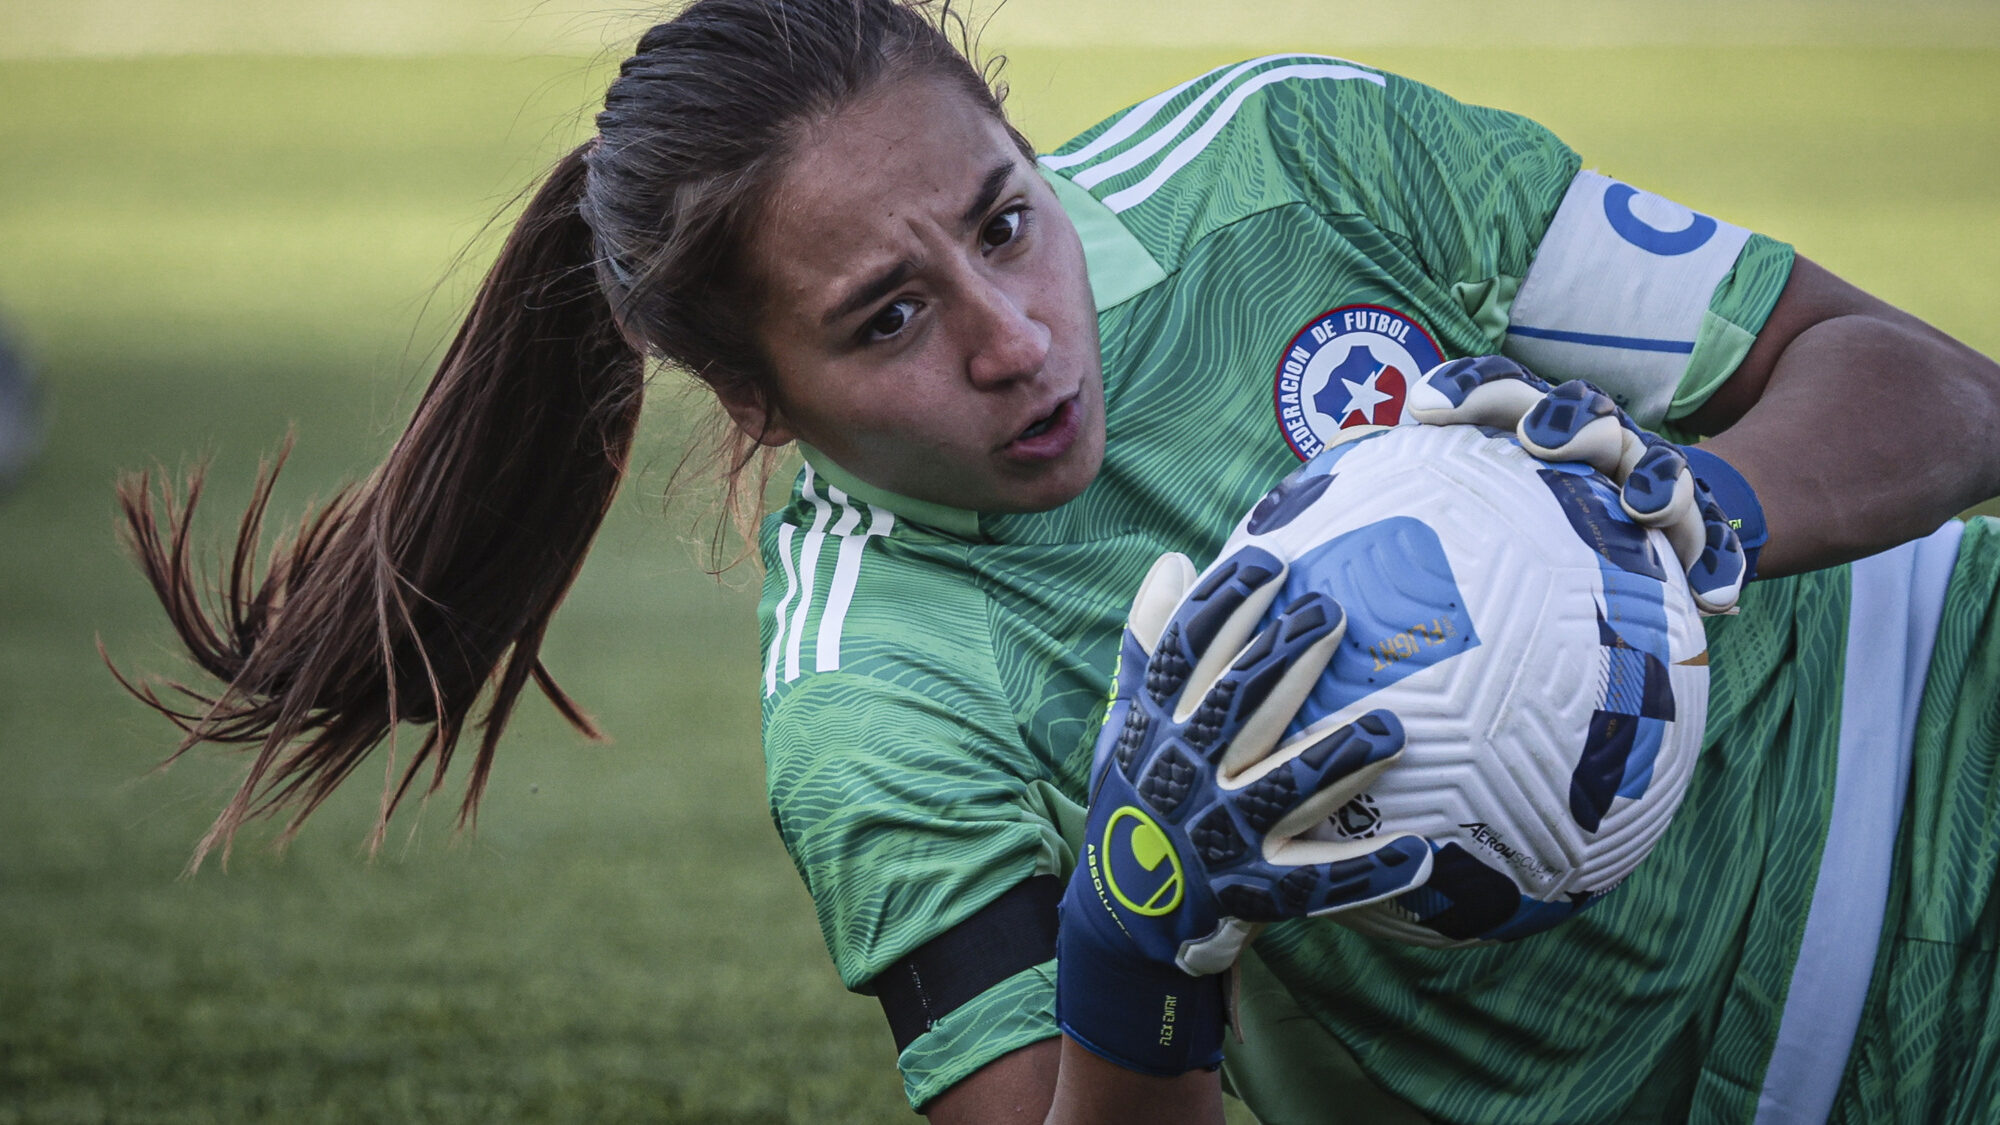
{"points": [[201, 252]]}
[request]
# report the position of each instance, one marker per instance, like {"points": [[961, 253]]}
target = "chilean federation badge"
{"points": [[1351, 366]]}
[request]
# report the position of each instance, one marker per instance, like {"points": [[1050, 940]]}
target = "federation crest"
{"points": [[1350, 366]]}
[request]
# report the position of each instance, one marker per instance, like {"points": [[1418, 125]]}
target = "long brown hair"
{"points": [[411, 592]]}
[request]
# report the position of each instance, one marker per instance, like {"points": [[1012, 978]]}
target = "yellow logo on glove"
{"points": [[1152, 881]]}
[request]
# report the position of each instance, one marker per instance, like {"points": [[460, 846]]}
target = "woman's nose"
{"points": [[1008, 344]]}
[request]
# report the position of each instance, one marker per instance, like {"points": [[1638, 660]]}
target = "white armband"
{"points": [[1618, 291]]}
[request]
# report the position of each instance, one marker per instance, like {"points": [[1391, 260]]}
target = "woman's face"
{"points": [[927, 314]]}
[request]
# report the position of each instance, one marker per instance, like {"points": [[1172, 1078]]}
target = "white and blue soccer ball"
{"points": [[1541, 650]]}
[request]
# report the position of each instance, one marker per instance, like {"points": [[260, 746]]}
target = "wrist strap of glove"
{"points": [[1737, 500], [1140, 1014]]}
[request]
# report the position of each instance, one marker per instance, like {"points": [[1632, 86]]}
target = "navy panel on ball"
{"points": [[1594, 512], [1628, 727]]}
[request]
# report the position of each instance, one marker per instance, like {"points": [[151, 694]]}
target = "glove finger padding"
{"points": [[1380, 869], [1326, 772], [1287, 794], [1656, 484], [1297, 788], [1160, 593], [1210, 628], [1272, 676], [1722, 567], [1388, 868], [1660, 492], [1576, 421], [1486, 390], [1660, 486]]}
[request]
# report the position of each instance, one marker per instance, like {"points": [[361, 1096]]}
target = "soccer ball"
{"points": [[1541, 650]]}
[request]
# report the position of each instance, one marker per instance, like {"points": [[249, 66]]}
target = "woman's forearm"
{"points": [[1858, 425], [1872, 429]]}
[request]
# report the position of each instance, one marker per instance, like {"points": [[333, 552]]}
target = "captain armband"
{"points": [[1014, 932]]}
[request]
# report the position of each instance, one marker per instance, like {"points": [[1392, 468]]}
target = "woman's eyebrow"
{"points": [[872, 290], [879, 286], [989, 190]]}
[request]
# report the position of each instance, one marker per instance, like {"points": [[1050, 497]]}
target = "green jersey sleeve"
{"points": [[905, 782], [1574, 273], [903, 821], [902, 818], [1468, 189]]}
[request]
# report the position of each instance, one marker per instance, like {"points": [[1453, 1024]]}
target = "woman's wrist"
{"points": [[1094, 1090]]}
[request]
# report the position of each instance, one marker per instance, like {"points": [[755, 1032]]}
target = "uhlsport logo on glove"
{"points": [[1141, 870]]}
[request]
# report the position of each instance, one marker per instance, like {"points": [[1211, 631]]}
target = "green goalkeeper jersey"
{"points": [[1277, 250]]}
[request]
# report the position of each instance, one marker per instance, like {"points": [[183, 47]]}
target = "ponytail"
{"points": [[409, 593]]}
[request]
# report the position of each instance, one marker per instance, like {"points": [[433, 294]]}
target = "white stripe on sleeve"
{"points": [[1165, 134], [846, 573], [808, 566], [1187, 150], [1135, 119], [784, 603]]}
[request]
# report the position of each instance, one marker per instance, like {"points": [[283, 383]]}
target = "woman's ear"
{"points": [[754, 413]]}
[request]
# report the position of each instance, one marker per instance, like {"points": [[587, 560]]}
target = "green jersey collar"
{"points": [[1120, 269], [959, 522]]}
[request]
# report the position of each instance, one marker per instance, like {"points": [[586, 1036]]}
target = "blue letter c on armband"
{"points": [[1666, 243]]}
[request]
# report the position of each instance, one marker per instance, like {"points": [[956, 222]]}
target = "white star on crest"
{"points": [[1365, 396]]}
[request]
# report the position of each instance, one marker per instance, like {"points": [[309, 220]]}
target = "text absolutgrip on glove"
{"points": [[1707, 510], [1191, 838]]}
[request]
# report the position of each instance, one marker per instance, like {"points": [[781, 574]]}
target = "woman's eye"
{"points": [[891, 321], [1004, 228]]}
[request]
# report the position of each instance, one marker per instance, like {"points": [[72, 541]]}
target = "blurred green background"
{"points": [[220, 220]]}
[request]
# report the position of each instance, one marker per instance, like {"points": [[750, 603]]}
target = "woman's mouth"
{"points": [[1049, 436]]}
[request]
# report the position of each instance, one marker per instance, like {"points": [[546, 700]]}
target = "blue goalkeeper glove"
{"points": [[1191, 838], [1707, 510]]}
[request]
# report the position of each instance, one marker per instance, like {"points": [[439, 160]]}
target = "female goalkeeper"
{"points": [[1015, 383]]}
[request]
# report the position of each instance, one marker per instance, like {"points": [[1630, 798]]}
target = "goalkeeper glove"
{"points": [[1707, 510], [1190, 843]]}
